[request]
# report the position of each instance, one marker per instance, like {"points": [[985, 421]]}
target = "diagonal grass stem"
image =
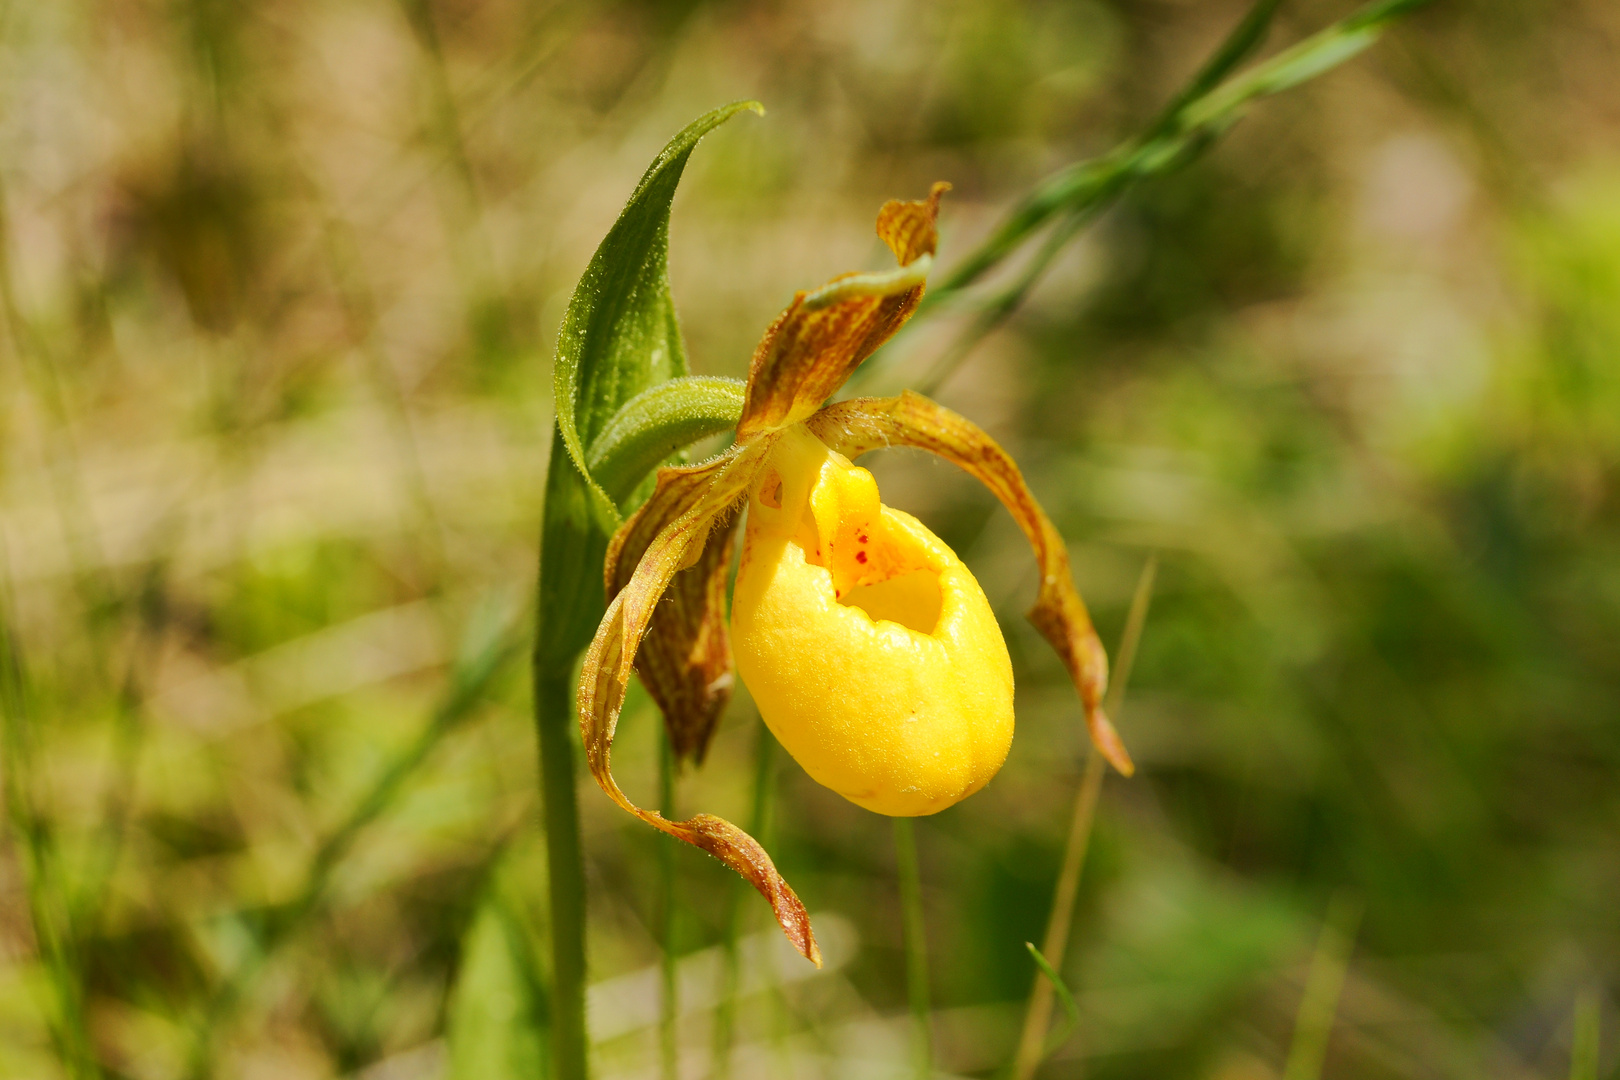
{"points": [[669, 1005], [1032, 1048], [1314, 1022], [1209, 105], [1070, 1009], [1584, 1053]]}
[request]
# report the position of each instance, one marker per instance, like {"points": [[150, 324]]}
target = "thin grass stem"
{"points": [[128, 738], [1206, 107], [916, 944], [669, 989], [49, 905], [1032, 1047], [1317, 1006], [1001, 307], [1583, 1054]]}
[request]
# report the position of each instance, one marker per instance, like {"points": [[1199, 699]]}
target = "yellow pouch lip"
{"points": [[944, 567], [807, 479], [898, 721]]}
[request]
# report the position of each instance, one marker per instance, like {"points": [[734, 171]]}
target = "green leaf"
{"points": [[496, 1028], [620, 334], [1320, 53], [655, 423], [619, 337], [1208, 105], [1069, 1007]]}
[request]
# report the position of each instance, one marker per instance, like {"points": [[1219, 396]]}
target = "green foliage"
{"points": [[621, 334], [498, 1008], [655, 424], [1071, 1011], [619, 337], [1378, 455], [1211, 102]]}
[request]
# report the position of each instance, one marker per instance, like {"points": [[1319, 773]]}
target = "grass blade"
{"points": [[1583, 1055], [1205, 108], [1320, 1001], [669, 1005], [1208, 103], [488, 648], [1069, 1007]]}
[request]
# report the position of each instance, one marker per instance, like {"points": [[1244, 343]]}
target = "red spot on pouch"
{"points": [[860, 556]]}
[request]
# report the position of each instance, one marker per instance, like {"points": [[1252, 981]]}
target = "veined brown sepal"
{"points": [[813, 347], [673, 531], [685, 656], [861, 424]]}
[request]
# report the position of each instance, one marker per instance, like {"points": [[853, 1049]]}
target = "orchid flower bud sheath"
{"points": [[869, 648]]}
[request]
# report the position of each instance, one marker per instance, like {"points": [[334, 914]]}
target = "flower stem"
{"points": [[1038, 1016], [669, 1002], [565, 866], [905, 857]]}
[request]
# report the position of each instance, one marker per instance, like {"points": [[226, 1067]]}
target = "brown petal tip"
{"points": [[908, 226], [1108, 743]]}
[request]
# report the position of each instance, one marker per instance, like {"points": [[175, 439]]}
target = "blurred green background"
{"points": [[280, 284]]}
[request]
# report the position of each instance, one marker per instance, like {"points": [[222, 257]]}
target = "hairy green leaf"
{"points": [[657, 422], [620, 334], [619, 337]]}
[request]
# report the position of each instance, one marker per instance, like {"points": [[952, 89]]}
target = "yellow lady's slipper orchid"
{"points": [[870, 650]]}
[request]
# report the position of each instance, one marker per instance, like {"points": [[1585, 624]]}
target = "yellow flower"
{"points": [[870, 649]]}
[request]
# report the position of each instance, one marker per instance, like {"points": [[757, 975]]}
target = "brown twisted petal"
{"points": [[853, 427], [908, 227], [812, 347], [686, 506], [685, 658]]}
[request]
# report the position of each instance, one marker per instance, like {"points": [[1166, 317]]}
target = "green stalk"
{"points": [[668, 1000], [905, 857], [618, 338], [1032, 1047], [565, 869]]}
